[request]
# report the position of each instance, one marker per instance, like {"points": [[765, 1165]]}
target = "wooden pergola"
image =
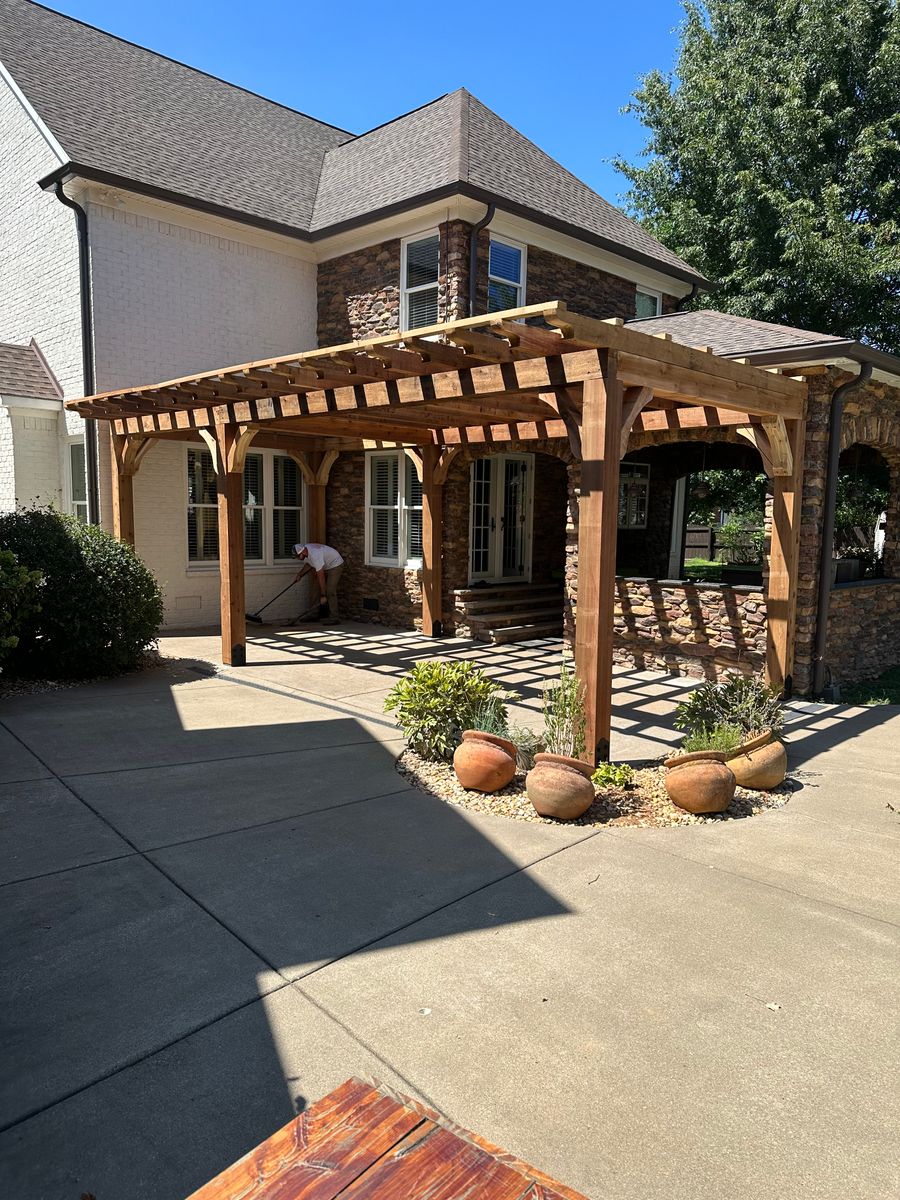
{"points": [[525, 374]]}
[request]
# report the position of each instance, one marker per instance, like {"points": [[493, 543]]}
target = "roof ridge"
{"points": [[357, 137], [187, 66], [465, 100]]}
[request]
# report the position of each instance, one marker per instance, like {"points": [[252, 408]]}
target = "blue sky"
{"points": [[558, 72]]}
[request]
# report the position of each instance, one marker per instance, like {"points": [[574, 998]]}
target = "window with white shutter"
{"points": [[420, 268], [393, 510]]}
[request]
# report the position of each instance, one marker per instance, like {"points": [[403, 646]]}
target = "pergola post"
{"points": [[601, 435], [432, 541], [127, 453], [229, 445], [315, 468], [781, 599]]}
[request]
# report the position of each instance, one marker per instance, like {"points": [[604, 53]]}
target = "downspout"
{"points": [[87, 352], [473, 255], [685, 301], [827, 548]]}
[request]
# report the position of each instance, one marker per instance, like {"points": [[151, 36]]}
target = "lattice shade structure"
{"points": [[524, 374]]}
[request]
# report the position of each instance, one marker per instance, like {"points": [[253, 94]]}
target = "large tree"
{"points": [[773, 162]]}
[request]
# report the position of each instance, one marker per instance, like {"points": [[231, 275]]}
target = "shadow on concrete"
{"points": [[189, 849]]}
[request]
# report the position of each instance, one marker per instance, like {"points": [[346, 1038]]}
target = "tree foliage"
{"points": [[773, 161], [742, 494]]}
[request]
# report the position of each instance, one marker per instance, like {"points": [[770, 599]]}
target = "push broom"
{"points": [[256, 618]]}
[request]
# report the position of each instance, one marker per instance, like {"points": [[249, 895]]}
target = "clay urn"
{"points": [[484, 762], [560, 787], [700, 782], [760, 763]]}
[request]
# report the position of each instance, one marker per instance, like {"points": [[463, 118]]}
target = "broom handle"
{"points": [[274, 598]]}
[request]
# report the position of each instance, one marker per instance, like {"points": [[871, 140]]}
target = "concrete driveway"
{"points": [[219, 900]]}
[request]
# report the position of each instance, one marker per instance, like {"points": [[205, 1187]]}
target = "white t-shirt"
{"points": [[321, 558]]}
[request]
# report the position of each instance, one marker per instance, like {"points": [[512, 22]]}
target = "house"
{"points": [[159, 223]]}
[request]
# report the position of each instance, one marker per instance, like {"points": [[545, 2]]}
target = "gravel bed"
{"points": [[644, 803]]}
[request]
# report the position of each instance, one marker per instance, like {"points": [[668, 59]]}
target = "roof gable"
{"points": [[23, 372]]}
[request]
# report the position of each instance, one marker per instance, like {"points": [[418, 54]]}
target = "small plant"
{"points": [[741, 700], [528, 744], [564, 720], [611, 775], [436, 701], [490, 717], [721, 737]]}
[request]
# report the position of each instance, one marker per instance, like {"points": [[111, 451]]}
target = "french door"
{"points": [[501, 490]]}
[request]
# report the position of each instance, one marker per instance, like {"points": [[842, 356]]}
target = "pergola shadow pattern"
{"points": [[526, 374]]}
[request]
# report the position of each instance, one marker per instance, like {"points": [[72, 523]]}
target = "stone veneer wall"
{"points": [[871, 417], [359, 293], [701, 629], [863, 629]]}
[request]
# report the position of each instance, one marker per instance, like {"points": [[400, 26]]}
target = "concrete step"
{"points": [[520, 633], [521, 616]]}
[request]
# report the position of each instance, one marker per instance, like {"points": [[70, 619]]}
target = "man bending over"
{"points": [[327, 565]]}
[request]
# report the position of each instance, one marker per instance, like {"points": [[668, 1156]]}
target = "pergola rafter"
{"points": [[528, 374]]}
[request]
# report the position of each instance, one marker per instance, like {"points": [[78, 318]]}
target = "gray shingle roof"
{"points": [[730, 335], [118, 108], [23, 372], [122, 111]]}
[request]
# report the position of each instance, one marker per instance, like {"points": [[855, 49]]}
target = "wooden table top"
{"points": [[363, 1141]]}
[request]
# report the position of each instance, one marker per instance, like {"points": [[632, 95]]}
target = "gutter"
{"points": [[473, 256], [87, 352], [826, 551], [445, 191]]}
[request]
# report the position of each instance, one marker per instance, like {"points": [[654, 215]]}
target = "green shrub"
{"points": [[100, 606], [609, 775], [490, 718], [19, 600], [741, 700], [703, 570], [564, 720], [721, 737], [527, 743], [436, 701]]}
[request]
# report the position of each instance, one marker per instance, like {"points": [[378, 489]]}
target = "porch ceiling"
{"points": [[504, 376]]}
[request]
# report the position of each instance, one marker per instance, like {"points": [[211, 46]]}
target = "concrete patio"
{"points": [[220, 900]]}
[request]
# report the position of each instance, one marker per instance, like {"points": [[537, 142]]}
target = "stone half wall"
{"points": [[863, 630], [689, 629]]}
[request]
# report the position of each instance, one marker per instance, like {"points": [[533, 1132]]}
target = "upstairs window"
{"points": [[393, 511], [420, 265], [506, 275], [634, 493], [647, 304]]}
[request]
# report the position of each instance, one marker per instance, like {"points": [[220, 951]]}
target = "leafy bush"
{"points": [[741, 700], [19, 599], [703, 570], [609, 775], [100, 606], [564, 720], [436, 701], [741, 543], [527, 743], [722, 737]]}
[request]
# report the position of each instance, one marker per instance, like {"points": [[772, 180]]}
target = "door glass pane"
{"points": [[480, 549], [514, 513]]}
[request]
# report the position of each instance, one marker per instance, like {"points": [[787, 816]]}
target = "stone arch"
{"points": [[881, 436]]}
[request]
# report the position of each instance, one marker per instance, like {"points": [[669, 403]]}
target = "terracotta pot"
{"points": [[700, 783], [760, 763], [484, 762], [560, 787]]}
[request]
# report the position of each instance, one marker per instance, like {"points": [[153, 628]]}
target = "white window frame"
{"points": [[71, 504], [657, 296], [268, 562], [520, 286], [406, 292], [627, 480], [402, 561]]}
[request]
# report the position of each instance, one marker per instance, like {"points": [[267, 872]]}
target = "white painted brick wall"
{"points": [[35, 439], [173, 299], [38, 280]]}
